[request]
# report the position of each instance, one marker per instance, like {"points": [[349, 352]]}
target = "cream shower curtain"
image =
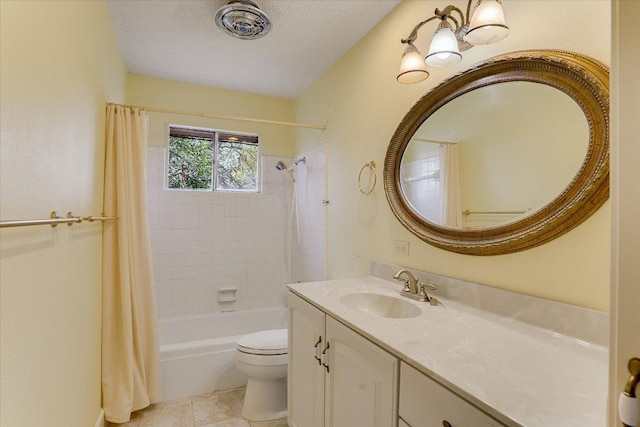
{"points": [[130, 366], [451, 186]]}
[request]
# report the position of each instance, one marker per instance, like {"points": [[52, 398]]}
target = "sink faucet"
{"points": [[414, 289], [409, 280]]}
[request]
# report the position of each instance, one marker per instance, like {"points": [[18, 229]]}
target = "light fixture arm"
{"points": [[414, 33], [442, 15], [446, 14], [465, 19], [469, 11]]}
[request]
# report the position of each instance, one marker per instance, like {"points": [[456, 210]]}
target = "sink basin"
{"points": [[380, 305]]}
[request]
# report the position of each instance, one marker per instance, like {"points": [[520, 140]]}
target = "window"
{"points": [[205, 159]]}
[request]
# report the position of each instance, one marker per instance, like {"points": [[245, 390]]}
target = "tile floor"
{"points": [[217, 409]]}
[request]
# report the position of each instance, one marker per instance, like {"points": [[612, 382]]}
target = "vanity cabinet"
{"points": [[424, 402], [337, 378], [306, 376]]}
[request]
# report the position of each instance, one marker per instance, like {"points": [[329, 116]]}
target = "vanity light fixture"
{"points": [[485, 26]]}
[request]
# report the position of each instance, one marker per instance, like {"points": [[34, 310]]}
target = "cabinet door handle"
{"points": [[446, 423], [316, 350], [325, 357]]}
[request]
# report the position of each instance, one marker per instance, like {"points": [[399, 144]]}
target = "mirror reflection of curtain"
{"points": [[451, 186]]}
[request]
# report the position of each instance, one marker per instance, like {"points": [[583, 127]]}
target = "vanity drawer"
{"points": [[425, 403]]}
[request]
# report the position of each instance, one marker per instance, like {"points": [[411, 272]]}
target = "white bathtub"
{"points": [[197, 353]]}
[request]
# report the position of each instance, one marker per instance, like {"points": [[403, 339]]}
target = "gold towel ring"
{"points": [[371, 165]]}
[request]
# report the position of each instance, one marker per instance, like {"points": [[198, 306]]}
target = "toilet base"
{"points": [[265, 400]]}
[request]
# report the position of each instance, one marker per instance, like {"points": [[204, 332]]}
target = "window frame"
{"points": [[214, 171]]}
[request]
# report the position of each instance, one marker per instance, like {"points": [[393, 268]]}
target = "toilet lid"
{"points": [[274, 341]]}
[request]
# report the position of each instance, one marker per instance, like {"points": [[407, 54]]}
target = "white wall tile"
{"points": [[205, 240]]}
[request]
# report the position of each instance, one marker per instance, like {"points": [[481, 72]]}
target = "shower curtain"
{"points": [[451, 186], [130, 360]]}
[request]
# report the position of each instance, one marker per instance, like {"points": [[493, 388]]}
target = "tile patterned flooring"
{"points": [[217, 409]]}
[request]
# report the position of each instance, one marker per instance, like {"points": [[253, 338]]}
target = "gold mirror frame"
{"points": [[583, 79]]}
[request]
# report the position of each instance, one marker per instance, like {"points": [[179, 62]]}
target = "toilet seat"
{"points": [[264, 357], [267, 343]]}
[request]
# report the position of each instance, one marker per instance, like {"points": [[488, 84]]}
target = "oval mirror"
{"points": [[489, 142], [504, 156]]}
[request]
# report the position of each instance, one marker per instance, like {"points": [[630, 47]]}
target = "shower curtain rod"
{"points": [[236, 118]]}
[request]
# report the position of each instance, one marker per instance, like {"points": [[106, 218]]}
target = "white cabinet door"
{"points": [[361, 382], [425, 403], [306, 376]]}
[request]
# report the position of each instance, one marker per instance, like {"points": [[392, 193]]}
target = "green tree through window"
{"points": [[190, 163], [237, 166], [195, 163]]}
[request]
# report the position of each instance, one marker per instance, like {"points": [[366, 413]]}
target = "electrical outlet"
{"points": [[401, 248]]}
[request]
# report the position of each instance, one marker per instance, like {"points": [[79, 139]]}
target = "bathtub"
{"points": [[197, 353]]}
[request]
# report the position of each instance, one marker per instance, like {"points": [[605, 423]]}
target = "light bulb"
{"points": [[444, 47]]}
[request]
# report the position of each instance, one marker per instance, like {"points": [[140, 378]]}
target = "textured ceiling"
{"points": [[179, 40]]}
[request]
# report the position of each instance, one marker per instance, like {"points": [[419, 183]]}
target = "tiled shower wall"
{"points": [[204, 241]]}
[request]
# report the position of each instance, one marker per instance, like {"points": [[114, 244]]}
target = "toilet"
{"points": [[263, 358]]}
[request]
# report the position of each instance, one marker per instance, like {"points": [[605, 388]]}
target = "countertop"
{"points": [[522, 375]]}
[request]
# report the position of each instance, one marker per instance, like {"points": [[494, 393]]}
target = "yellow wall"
{"points": [[59, 63], [362, 104], [172, 95]]}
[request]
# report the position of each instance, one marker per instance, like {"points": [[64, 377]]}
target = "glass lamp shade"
{"points": [[487, 24], [444, 47], [412, 67]]}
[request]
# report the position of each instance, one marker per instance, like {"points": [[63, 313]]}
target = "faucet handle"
{"points": [[426, 286], [405, 281], [423, 286], [422, 292], [421, 289]]}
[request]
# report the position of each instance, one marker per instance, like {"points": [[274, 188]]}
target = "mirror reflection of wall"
{"points": [[520, 144]]}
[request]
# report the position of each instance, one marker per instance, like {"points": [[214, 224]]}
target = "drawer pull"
{"points": [[446, 423]]}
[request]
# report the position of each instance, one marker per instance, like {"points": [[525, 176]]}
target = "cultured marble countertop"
{"points": [[522, 375]]}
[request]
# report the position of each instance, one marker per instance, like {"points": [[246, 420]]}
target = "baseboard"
{"points": [[100, 421]]}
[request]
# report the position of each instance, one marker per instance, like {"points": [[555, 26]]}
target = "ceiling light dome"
{"points": [[243, 19]]}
